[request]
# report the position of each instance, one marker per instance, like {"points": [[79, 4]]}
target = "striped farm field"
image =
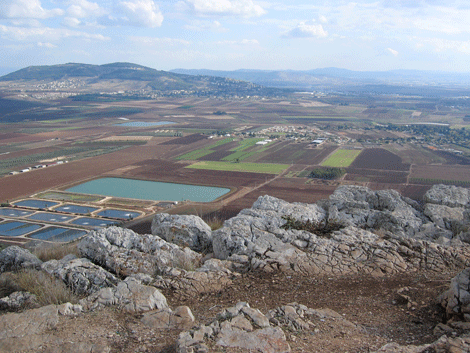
{"points": [[241, 167], [341, 158]]}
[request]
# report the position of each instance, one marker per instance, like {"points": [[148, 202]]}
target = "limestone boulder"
{"points": [[441, 215], [183, 230], [81, 275], [129, 295], [28, 330], [125, 252], [456, 300], [14, 258], [448, 195], [18, 300], [181, 319], [383, 209], [240, 327]]}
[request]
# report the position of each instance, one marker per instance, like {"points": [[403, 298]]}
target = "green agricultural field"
{"points": [[203, 151], [240, 152], [241, 167], [341, 158]]}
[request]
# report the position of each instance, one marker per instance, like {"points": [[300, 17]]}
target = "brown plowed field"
{"points": [[185, 140], [215, 156], [415, 192], [379, 158], [452, 158], [162, 170], [442, 172], [377, 176], [296, 153]]}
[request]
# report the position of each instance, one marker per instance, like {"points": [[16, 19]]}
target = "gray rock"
{"points": [[234, 328], [125, 252], [181, 318], [456, 300], [441, 214], [81, 275], [26, 331], [14, 258], [383, 209], [18, 300], [183, 230], [448, 195], [130, 295]]}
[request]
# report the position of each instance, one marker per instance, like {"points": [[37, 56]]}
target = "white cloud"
{"points": [[239, 42], [142, 13], [243, 8], [45, 34], [47, 45], [392, 51], [198, 25], [84, 8], [160, 41], [71, 21], [25, 9], [303, 30], [443, 45]]}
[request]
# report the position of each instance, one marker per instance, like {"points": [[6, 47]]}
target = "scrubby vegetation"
{"points": [[322, 228], [327, 173]]}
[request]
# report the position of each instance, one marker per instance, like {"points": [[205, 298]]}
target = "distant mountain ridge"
{"points": [[133, 77], [330, 73]]}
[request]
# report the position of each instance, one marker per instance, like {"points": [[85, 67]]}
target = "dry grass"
{"points": [[46, 288], [56, 252], [214, 222]]}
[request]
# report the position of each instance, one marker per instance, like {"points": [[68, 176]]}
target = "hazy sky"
{"points": [[236, 34]]}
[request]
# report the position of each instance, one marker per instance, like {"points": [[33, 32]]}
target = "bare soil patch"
{"points": [[379, 158], [288, 152], [185, 140], [377, 176], [442, 172]]}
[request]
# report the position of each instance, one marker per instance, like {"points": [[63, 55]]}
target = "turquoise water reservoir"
{"points": [[149, 190]]}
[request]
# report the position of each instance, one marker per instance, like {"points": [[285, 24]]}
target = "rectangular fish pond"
{"points": [[92, 222], [50, 217], [149, 190], [14, 229], [118, 214], [36, 203], [58, 234], [12, 212], [69, 208]]}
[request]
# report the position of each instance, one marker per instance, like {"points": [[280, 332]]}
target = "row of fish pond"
{"points": [[24, 219]]}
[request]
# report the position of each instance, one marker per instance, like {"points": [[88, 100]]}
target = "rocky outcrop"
{"points": [[124, 252], [213, 276], [14, 258], [237, 327], [448, 195], [27, 330], [248, 330], [81, 275], [18, 300], [130, 295], [456, 300], [183, 230], [166, 319], [383, 209]]}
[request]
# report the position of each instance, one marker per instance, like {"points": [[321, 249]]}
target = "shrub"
{"points": [[323, 228]]}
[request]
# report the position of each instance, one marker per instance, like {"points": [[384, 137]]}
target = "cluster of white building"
{"points": [[39, 166]]}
